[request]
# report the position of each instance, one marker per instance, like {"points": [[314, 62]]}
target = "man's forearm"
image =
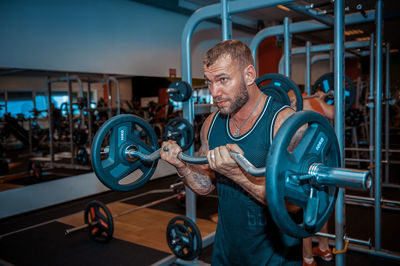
{"points": [[256, 189], [197, 179]]}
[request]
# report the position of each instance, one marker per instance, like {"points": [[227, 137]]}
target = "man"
{"points": [[245, 122]]}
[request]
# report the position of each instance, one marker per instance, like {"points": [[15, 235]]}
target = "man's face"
{"points": [[226, 83]]}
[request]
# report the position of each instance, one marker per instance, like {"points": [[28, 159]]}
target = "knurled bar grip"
{"points": [[240, 159]]}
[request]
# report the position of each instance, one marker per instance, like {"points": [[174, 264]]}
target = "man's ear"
{"points": [[249, 74]]}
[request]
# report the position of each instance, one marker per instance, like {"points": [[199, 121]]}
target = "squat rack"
{"points": [[224, 9]]}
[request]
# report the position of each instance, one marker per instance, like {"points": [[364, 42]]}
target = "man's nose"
{"points": [[215, 90]]}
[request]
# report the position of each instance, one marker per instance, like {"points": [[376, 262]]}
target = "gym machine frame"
{"points": [[52, 162], [339, 20]]}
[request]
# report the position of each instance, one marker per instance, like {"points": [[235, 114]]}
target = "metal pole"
{"points": [[387, 135], [371, 104], [378, 123], [339, 121], [287, 45], [5, 101], [50, 116], [331, 61], [225, 20], [71, 121], [109, 98], [308, 68], [90, 115]]}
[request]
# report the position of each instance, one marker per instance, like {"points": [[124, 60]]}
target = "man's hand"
{"points": [[169, 152], [221, 161], [320, 95]]}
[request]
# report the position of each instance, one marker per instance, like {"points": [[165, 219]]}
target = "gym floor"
{"points": [[37, 238]]}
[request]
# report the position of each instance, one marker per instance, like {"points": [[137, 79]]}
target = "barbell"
{"points": [[100, 223], [307, 175], [326, 84]]}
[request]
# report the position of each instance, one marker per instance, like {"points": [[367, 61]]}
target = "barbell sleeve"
{"points": [[342, 177]]}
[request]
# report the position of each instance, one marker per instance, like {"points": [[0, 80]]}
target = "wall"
{"points": [[100, 36]]}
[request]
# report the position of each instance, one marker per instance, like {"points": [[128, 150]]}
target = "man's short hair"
{"points": [[237, 50]]}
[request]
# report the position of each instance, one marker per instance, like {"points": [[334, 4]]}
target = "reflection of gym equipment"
{"points": [[308, 176], [11, 126]]}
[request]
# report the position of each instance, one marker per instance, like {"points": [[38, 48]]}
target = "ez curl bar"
{"points": [[307, 175]]}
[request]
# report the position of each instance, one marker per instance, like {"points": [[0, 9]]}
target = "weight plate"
{"points": [[287, 171], [354, 118], [100, 221], [108, 156], [180, 91], [326, 83], [278, 86], [180, 130], [184, 238], [3, 167], [82, 156], [35, 170], [79, 136]]}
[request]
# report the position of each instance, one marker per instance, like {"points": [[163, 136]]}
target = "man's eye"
{"points": [[224, 79]]}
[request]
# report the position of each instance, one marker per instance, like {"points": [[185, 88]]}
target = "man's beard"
{"points": [[238, 100]]}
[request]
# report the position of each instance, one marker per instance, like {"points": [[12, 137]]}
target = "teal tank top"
{"points": [[246, 234]]}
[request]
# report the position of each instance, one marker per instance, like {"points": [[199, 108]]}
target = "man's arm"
{"points": [[197, 177]]}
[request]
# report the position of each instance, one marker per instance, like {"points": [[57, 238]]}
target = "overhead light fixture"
{"points": [[353, 32], [283, 7]]}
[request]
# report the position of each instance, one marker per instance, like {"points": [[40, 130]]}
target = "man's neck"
{"points": [[252, 106]]}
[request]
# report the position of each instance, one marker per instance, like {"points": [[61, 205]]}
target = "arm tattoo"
{"points": [[197, 178], [202, 180]]}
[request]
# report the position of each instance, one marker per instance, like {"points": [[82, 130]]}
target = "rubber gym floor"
{"points": [[37, 238]]}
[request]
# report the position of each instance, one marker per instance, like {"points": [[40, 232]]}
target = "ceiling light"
{"points": [[283, 7], [353, 32], [360, 39]]}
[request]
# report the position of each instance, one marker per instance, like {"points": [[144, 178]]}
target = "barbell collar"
{"points": [[342, 177], [132, 154], [172, 90]]}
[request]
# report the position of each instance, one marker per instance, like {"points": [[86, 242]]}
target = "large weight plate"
{"points": [[184, 238], [287, 165], [108, 152], [326, 83], [278, 86], [100, 222], [180, 130]]}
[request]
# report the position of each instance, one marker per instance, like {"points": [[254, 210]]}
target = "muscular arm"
{"points": [[199, 177]]}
